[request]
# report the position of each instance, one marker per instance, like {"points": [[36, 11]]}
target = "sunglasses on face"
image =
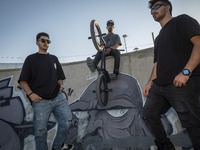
{"points": [[157, 6], [44, 40]]}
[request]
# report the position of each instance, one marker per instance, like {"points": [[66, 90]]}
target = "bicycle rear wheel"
{"points": [[96, 35], [102, 90]]}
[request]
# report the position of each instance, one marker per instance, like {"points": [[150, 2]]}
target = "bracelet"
{"points": [[150, 82], [30, 94]]}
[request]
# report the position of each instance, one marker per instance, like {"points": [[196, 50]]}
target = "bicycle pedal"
{"points": [[109, 90], [106, 90]]}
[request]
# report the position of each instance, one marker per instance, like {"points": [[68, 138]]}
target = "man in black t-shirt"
{"points": [[175, 75], [42, 80], [112, 44]]}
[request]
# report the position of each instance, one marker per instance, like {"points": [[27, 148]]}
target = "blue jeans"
{"points": [[185, 101], [42, 112]]}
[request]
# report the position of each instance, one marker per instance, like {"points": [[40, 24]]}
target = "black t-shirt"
{"points": [[173, 48], [42, 72]]}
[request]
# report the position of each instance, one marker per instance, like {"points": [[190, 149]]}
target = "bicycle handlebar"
{"points": [[97, 35]]}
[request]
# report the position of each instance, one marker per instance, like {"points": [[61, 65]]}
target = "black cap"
{"points": [[110, 21]]}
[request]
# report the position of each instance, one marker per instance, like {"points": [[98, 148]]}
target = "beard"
{"points": [[44, 47], [159, 16], [158, 19], [110, 30]]}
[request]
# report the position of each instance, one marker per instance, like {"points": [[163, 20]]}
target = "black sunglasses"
{"points": [[157, 6], [44, 40]]}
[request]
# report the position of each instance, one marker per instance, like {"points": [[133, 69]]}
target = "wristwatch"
{"points": [[62, 86], [186, 72]]}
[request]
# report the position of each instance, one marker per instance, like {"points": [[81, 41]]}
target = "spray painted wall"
{"points": [[118, 126]]}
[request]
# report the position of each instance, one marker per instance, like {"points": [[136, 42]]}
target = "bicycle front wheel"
{"points": [[96, 35], [102, 90]]}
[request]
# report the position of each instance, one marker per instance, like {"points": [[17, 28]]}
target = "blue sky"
{"points": [[68, 24]]}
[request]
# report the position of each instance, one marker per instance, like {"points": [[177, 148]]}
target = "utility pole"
{"points": [[153, 38], [124, 36]]}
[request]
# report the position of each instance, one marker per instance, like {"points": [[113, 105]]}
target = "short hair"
{"points": [[152, 2], [41, 34]]}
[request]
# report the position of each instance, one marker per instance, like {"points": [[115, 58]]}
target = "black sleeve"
{"points": [[118, 40], [189, 27], [60, 72], [26, 71]]}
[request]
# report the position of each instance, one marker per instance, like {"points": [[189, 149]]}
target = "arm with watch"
{"points": [[182, 78]]}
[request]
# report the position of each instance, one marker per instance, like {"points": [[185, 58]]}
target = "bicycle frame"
{"points": [[103, 77], [103, 54], [103, 60]]}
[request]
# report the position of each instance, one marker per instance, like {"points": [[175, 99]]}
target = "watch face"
{"points": [[186, 72]]}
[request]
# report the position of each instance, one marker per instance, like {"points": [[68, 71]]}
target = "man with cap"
{"points": [[112, 43]]}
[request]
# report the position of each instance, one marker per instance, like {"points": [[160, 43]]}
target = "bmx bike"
{"points": [[103, 78]]}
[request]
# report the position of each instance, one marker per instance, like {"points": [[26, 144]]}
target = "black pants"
{"points": [[115, 54], [184, 100]]}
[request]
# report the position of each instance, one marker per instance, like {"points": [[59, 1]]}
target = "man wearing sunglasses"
{"points": [[175, 75], [42, 80], [112, 44]]}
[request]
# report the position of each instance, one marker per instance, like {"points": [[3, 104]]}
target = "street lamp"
{"points": [[136, 48], [124, 36]]}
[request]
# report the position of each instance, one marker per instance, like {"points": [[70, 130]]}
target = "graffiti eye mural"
{"points": [[119, 119], [117, 113]]}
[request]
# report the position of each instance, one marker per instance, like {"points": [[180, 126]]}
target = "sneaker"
{"points": [[67, 147], [91, 64]]}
